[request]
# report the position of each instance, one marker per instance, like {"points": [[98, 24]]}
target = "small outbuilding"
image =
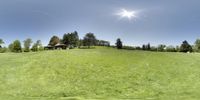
{"points": [[49, 47], [60, 46]]}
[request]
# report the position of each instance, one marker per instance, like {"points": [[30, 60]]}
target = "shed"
{"points": [[60, 46], [49, 47]]}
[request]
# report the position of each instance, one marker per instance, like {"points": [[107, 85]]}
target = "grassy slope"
{"points": [[99, 73]]}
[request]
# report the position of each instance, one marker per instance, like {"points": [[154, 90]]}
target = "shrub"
{"points": [[3, 50], [161, 47], [170, 49], [138, 48], [153, 48], [128, 48]]}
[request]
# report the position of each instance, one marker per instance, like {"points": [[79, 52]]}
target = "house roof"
{"points": [[49, 46], [60, 44]]}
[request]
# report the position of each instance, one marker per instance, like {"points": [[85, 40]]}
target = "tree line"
{"points": [[70, 40], [184, 47]]}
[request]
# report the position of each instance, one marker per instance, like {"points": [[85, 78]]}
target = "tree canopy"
{"points": [[89, 40], [54, 40], [27, 44], [119, 43], [197, 45], [185, 47], [71, 39], [16, 46], [37, 46], [1, 42]]}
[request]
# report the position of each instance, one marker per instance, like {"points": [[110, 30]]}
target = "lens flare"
{"points": [[127, 14]]}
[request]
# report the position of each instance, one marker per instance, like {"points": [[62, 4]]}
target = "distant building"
{"points": [[57, 46], [49, 47], [60, 46]]}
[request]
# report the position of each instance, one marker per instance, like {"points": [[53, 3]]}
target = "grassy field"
{"points": [[101, 73]]}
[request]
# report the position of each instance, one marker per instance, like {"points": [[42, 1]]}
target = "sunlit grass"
{"points": [[101, 73]]}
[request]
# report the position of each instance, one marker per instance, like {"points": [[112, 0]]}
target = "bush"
{"points": [[128, 48], [10, 47], [41, 48], [26, 50], [161, 47], [3, 50], [71, 47], [170, 49], [138, 48], [153, 48]]}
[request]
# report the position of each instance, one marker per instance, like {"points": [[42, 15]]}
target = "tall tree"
{"points": [[34, 47], [74, 39], [39, 43], [27, 44], [17, 46], [80, 43], [1, 42], [143, 47], [197, 45], [148, 46], [10, 47], [177, 48], [89, 40], [185, 47], [66, 39], [71, 39], [119, 44], [54, 40], [170, 48], [161, 47], [103, 43], [37, 46]]}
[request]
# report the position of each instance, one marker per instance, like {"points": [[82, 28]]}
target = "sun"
{"points": [[127, 14]]}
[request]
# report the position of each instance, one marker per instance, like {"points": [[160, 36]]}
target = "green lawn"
{"points": [[101, 73]]}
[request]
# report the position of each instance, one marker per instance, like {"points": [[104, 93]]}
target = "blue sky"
{"points": [[158, 21]]}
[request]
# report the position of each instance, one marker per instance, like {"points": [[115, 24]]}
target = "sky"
{"points": [[147, 21]]}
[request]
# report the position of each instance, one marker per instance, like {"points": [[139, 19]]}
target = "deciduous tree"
{"points": [[89, 40], [71, 39], [54, 40], [197, 45], [185, 47], [119, 44], [161, 47], [27, 44], [1, 42], [37, 46], [17, 46]]}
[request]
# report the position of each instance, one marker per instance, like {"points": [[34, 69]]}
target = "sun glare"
{"points": [[127, 14]]}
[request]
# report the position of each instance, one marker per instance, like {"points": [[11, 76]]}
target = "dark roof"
{"points": [[60, 45], [49, 46]]}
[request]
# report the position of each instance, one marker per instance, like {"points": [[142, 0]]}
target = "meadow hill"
{"points": [[100, 50], [100, 73]]}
